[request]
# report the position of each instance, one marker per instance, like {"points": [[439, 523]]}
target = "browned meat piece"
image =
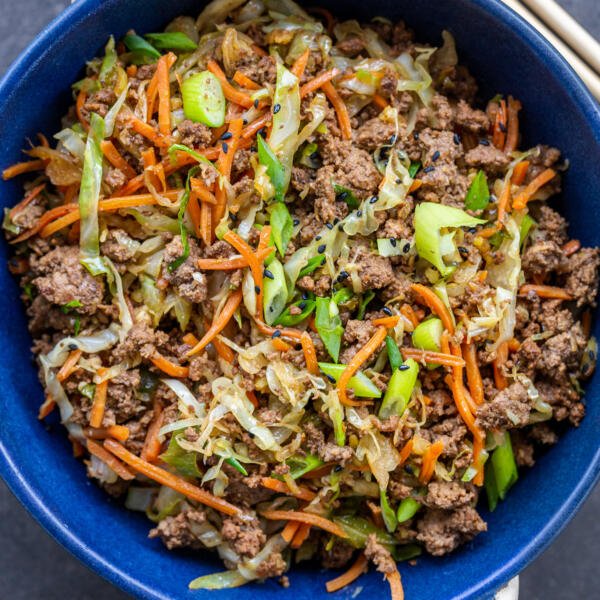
{"points": [[351, 46], [261, 69], [203, 368], [443, 531], [374, 133], [449, 494], [244, 534], [551, 226], [178, 531], [27, 217], [195, 135], [470, 118], [565, 401], [375, 271], [187, 279], [510, 408], [44, 316], [582, 275], [99, 102], [328, 452], [338, 556], [140, 341], [438, 116], [115, 179], [62, 279], [119, 246], [273, 566], [488, 158], [379, 556], [562, 353], [542, 257], [121, 401], [356, 335]]}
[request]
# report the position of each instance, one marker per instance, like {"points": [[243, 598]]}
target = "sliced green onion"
{"points": [[362, 307], [429, 219], [329, 326], [174, 40], [300, 465], [407, 509], [237, 465], [359, 529], [399, 390], [275, 170], [526, 224], [312, 265], [394, 355], [282, 226], [428, 335], [275, 292], [342, 296], [360, 384], [406, 552], [174, 148], [287, 319], [218, 581], [308, 158], [500, 472], [388, 514], [413, 169], [346, 195], [203, 99], [140, 48], [478, 195], [183, 203]]}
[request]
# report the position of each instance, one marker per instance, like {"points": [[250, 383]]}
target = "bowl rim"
{"points": [[28, 496]]}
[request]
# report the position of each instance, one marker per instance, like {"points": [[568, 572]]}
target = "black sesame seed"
{"points": [[484, 142], [409, 469], [456, 139], [502, 127], [435, 156], [463, 251], [393, 242], [257, 289], [318, 238], [321, 248], [271, 309], [296, 222], [314, 155], [416, 135], [330, 378], [233, 217], [304, 296], [343, 195], [253, 148], [472, 230], [73, 347], [373, 199], [245, 121], [393, 139], [359, 213], [329, 226], [302, 305], [262, 132], [225, 147], [336, 221], [406, 247], [256, 103], [387, 311], [398, 181], [276, 334], [591, 355], [403, 368], [338, 468], [268, 274], [227, 135], [343, 275], [428, 169], [276, 108]]}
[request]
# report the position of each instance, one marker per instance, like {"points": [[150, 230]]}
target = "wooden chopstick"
{"points": [[564, 25], [588, 75]]}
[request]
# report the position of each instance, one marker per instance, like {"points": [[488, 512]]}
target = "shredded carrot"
{"points": [[106, 457], [498, 365], [512, 134], [435, 304], [380, 102], [289, 531], [477, 449], [520, 172], [29, 197], [118, 432], [395, 582], [230, 92], [194, 211], [168, 367], [300, 63], [352, 574], [224, 164], [190, 339], [406, 451], [201, 190], [388, 322], [310, 354], [172, 481], [545, 291], [252, 397], [206, 229], [488, 232], [152, 444], [280, 345], [99, 402], [301, 535], [131, 70], [429, 460], [245, 81], [318, 82], [438, 358], [503, 204], [223, 350], [305, 517], [69, 366], [408, 311], [81, 98], [513, 345], [523, 197], [47, 407], [260, 51], [281, 487], [571, 247], [285, 332], [230, 264], [463, 408], [499, 132], [23, 167], [340, 108], [355, 363], [219, 323], [251, 130], [415, 185], [147, 131], [164, 95], [113, 156], [43, 140], [469, 352], [152, 90]]}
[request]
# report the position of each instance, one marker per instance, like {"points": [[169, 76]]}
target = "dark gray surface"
{"points": [[33, 566]]}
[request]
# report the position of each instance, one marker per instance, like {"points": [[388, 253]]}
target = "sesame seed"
{"points": [[428, 169], [329, 226], [227, 135], [233, 217], [403, 368], [502, 127], [338, 468], [256, 103], [387, 311], [271, 309], [73, 346], [484, 142], [302, 305], [296, 222], [359, 213], [373, 199], [245, 121], [225, 147], [304, 296], [268, 274], [321, 248], [393, 242], [406, 247], [276, 108], [393, 139], [257, 289], [343, 195], [435, 156], [331, 379], [463, 251], [336, 221], [262, 132], [416, 135], [276, 334], [456, 139], [343, 275], [318, 238]]}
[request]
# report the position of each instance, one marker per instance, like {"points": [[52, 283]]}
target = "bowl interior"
{"points": [[506, 57]]}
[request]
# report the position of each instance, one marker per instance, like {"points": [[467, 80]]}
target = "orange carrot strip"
{"points": [[152, 444], [545, 291], [251, 130], [357, 360], [69, 366], [29, 197], [305, 517], [571, 247], [520, 172], [190, 339], [99, 402], [280, 345], [152, 89], [300, 63], [408, 311], [230, 264], [523, 197], [252, 397], [281, 487], [425, 356], [436, 306], [395, 582], [202, 191], [310, 354], [230, 92], [260, 51], [194, 211], [224, 164], [503, 203], [219, 323], [46, 408], [477, 449], [245, 81], [164, 95], [463, 408], [340, 109], [512, 134], [118, 432], [380, 102], [415, 185], [352, 574], [469, 352], [293, 334], [81, 98], [406, 451], [23, 167], [289, 531], [501, 357], [429, 460], [301, 535], [106, 457], [488, 232], [168, 367], [499, 132], [388, 322], [206, 229], [113, 156], [148, 132], [173, 481], [319, 81]]}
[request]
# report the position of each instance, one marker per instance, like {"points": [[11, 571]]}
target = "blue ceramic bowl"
{"points": [[506, 56]]}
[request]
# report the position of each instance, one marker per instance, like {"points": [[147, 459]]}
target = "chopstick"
{"points": [[587, 74]]}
